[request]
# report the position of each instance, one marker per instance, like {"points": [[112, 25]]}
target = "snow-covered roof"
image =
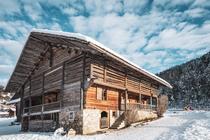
{"points": [[13, 109], [3, 113], [100, 45], [20, 73]]}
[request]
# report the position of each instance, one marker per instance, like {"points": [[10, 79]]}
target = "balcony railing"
{"points": [[42, 107], [138, 106], [52, 106]]}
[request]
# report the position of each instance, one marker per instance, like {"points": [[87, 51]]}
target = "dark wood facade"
{"points": [[55, 75]]}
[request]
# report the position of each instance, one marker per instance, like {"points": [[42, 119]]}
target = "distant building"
{"points": [[12, 112], [15, 109], [71, 79]]}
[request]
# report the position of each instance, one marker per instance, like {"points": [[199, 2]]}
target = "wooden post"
{"points": [[140, 97], [126, 80], [82, 93], [42, 116], [126, 98], [29, 108], [21, 106], [151, 102], [140, 92], [62, 86], [104, 70], [119, 100], [51, 56], [126, 91]]}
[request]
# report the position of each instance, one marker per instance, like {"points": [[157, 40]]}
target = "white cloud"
{"points": [[201, 3], [147, 39], [197, 12], [33, 9], [118, 32], [9, 7], [3, 81], [6, 69], [12, 47], [95, 7], [135, 6], [70, 11], [13, 27], [190, 37], [173, 3]]}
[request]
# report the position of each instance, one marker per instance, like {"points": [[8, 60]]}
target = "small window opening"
{"points": [[101, 94]]}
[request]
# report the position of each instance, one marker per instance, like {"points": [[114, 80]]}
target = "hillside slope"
{"points": [[191, 83]]}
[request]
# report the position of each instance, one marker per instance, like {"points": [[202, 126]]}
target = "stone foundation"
{"points": [[68, 123], [91, 120], [39, 126]]}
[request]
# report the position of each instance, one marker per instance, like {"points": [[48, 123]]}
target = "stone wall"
{"points": [[67, 123], [39, 126], [35, 125], [133, 116], [91, 120]]}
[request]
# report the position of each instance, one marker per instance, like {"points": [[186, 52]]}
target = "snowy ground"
{"points": [[181, 125]]}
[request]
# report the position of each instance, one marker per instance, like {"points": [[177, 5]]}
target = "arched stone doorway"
{"points": [[104, 119]]}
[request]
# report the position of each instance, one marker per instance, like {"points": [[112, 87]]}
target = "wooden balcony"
{"points": [[42, 108], [52, 106], [138, 106]]}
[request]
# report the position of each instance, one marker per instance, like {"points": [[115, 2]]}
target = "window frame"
{"points": [[101, 94]]}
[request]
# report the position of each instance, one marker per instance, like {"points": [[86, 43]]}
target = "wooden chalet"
{"points": [[70, 79]]}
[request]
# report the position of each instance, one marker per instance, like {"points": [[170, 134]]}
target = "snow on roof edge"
{"points": [[100, 45], [13, 101]]}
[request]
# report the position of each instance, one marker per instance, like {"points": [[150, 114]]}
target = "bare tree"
{"points": [[131, 116], [162, 105]]}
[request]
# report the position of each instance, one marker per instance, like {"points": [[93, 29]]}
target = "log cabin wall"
{"points": [[63, 75], [110, 103], [117, 80], [109, 73]]}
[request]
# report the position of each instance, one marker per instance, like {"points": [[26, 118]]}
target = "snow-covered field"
{"points": [[181, 125]]}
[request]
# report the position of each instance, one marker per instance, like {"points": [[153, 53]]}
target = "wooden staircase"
{"points": [[119, 123]]}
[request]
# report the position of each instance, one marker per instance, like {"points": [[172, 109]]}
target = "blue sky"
{"points": [[155, 34]]}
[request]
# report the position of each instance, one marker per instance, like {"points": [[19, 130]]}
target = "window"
{"points": [[36, 100], [50, 97], [71, 115], [47, 117], [35, 117], [53, 116], [26, 103], [114, 114], [101, 93]]}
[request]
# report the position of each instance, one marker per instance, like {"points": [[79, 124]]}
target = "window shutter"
{"points": [[99, 92]]}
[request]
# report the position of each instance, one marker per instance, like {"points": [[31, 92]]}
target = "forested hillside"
{"points": [[191, 83]]}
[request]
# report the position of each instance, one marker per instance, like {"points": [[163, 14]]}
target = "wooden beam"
{"points": [[126, 79], [82, 94], [21, 105], [105, 71], [140, 91], [20, 74], [25, 65], [108, 85], [29, 96], [42, 115], [150, 100], [126, 98], [62, 85]]}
